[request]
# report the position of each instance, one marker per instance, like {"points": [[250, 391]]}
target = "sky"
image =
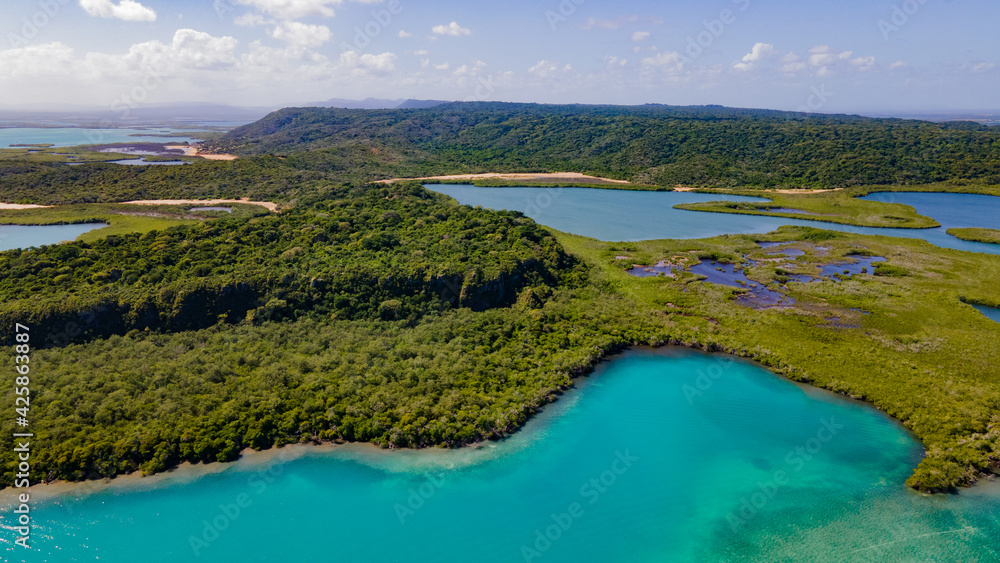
{"points": [[816, 55]]}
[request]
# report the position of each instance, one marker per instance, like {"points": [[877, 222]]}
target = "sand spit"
{"points": [[556, 176], [270, 206]]}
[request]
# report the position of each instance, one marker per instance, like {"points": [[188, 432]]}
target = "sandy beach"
{"points": [[555, 176], [270, 206], [793, 192], [194, 151], [21, 206]]}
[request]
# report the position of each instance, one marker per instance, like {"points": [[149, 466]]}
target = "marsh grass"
{"points": [[918, 352]]}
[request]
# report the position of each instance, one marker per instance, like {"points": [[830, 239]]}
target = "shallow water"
{"points": [[622, 215], [660, 456], [74, 136], [23, 236], [991, 312], [144, 162]]}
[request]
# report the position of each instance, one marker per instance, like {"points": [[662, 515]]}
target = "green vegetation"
{"points": [[49, 154], [977, 235], [260, 179], [121, 219], [913, 330], [833, 207], [389, 314], [392, 252], [660, 145]]}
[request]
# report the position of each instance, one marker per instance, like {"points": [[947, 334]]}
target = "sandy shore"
{"points": [[793, 192], [556, 176], [270, 206], [21, 206], [184, 473], [194, 151]]}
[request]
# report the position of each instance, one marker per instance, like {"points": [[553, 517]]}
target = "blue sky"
{"points": [[821, 55]]}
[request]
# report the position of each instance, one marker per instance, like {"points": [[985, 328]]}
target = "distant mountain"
{"points": [[420, 104], [179, 113], [376, 103]]}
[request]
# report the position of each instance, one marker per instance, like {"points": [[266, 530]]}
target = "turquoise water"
{"points": [[23, 236], [621, 215], [73, 136], [991, 312], [645, 462]]}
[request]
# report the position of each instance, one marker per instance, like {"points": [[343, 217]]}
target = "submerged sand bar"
{"points": [[270, 206], [538, 176]]}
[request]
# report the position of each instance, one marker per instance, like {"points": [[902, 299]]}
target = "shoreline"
{"points": [[558, 176], [195, 151], [14, 206], [188, 472], [273, 207]]}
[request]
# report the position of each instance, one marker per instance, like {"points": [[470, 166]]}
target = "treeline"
{"points": [[148, 401], [375, 252], [663, 145], [268, 179]]}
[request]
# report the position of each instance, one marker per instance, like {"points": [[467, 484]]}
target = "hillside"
{"points": [[663, 145]]}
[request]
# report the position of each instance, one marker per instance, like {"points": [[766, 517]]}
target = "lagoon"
{"points": [[73, 136], [24, 236], [668, 455], [624, 215]]}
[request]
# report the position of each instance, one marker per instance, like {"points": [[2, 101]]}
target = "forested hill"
{"points": [[665, 145]]}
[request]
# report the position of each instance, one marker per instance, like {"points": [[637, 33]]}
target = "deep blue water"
{"points": [[622, 215], [659, 456], [23, 236]]}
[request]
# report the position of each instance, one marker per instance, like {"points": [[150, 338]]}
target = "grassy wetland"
{"points": [[901, 339]]}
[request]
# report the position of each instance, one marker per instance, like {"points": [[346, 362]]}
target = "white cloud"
{"points": [[452, 29], [128, 10], [251, 20], [614, 61], [404, 34], [546, 69], [301, 34], [898, 64], [759, 52], [982, 67], [420, 52], [367, 63], [189, 49], [669, 60], [443, 66], [864, 63], [296, 9], [640, 36]]}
